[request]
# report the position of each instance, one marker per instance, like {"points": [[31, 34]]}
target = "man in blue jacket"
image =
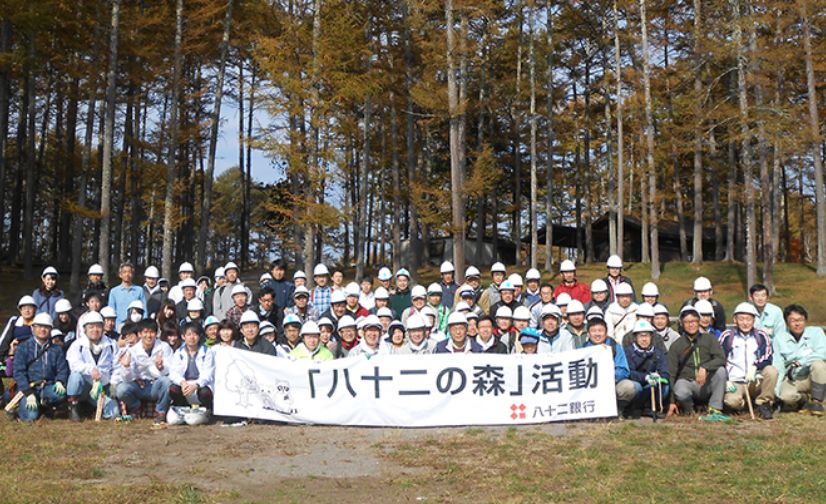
{"points": [[598, 335], [280, 285], [648, 369], [40, 370]]}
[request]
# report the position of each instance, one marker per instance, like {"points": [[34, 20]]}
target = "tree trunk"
{"points": [[365, 174], [172, 148], [589, 206], [456, 147], [5, 101], [649, 140], [516, 231], [697, 248], [620, 138], [396, 178], [549, 134], [732, 200], [413, 218], [532, 65], [31, 166], [814, 125]]}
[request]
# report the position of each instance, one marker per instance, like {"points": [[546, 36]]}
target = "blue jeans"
{"points": [[643, 398], [46, 396], [79, 387], [132, 393]]}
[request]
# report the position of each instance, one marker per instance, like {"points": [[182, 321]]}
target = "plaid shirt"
{"points": [[320, 297]]}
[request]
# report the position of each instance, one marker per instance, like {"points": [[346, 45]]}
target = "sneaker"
{"points": [[765, 411], [159, 422], [74, 412], [715, 415], [814, 408]]}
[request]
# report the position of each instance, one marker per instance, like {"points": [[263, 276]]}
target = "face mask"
{"points": [[135, 317]]}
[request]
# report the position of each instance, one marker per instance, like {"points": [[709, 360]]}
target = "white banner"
{"points": [[417, 390]]}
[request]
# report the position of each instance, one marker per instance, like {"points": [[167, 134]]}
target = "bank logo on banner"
{"points": [[417, 390]]}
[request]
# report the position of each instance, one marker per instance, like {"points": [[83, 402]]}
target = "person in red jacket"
{"points": [[570, 284]]}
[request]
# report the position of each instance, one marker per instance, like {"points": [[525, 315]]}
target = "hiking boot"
{"points": [[765, 411], [159, 422], [715, 415], [74, 412]]}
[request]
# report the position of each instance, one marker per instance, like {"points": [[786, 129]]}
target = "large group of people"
{"points": [[124, 350]]}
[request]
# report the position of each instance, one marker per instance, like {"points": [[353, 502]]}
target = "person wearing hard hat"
{"points": [[546, 297], [769, 315], [299, 279], [650, 293], [47, 295], [66, 322], [195, 315], [435, 297], [418, 342], [338, 307], [490, 296], [122, 295], [281, 285], [467, 298], [385, 276], [622, 313], [95, 283], [458, 342], [347, 337], [553, 338], [503, 326], [192, 371], [704, 290], [382, 300], [562, 303], [599, 296], [291, 335], [223, 299], [615, 277], [532, 280], [648, 367], [625, 391], [418, 300], [148, 373], [706, 312], [662, 325], [473, 282], [152, 291], [211, 326], [507, 297], [400, 300], [394, 343], [250, 339], [369, 345], [310, 347], [90, 360], [301, 306], [698, 369], [528, 341], [434, 331], [748, 353], [40, 370], [366, 297], [109, 322], [487, 340], [185, 272], [800, 360], [576, 322], [266, 308], [521, 320], [570, 285], [352, 293], [448, 285], [240, 303], [188, 292], [267, 331], [645, 312], [518, 287], [328, 330], [19, 327], [320, 295]]}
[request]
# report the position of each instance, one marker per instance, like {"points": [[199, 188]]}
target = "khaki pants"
{"points": [[626, 390], [792, 393], [763, 390]]}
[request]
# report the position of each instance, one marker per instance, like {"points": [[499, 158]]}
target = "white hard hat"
{"points": [[522, 313], [26, 301], [575, 306], [265, 328], [135, 305], [599, 285], [338, 296], [385, 274], [418, 291], [188, 282], [660, 309], [461, 306], [219, 272], [352, 289], [688, 309], [457, 318], [231, 265], [197, 416], [249, 316], [434, 288], [594, 312], [567, 265], [309, 327], [43, 319], [62, 306], [299, 274], [49, 271], [702, 284], [465, 288], [108, 312], [623, 289], [563, 299], [650, 289], [92, 318], [416, 321], [428, 311], [498, 268], [704, 307], [372, 321], [447, 267], [614, 262], [506, 285], [384, 312], [533, 274], [645, 310], [301, 291], [324, 321], [402, 272], [550, 309], [238, 289], [194, 304], [745, 308], [320, 270], [472, 271], [266, 277], [471, 315], [291, 319], [95, 269], [381, 293], [186, 268], [151, 272], [346, 321], [642, 326], [504, 312], [516, 279]]}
